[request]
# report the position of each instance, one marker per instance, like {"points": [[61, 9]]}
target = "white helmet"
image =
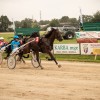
{"points": [[1, 38]]}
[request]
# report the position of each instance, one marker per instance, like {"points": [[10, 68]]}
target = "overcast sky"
{"points": [[50, 9]]}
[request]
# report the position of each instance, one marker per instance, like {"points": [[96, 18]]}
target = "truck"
{"points": [[69, 32]]}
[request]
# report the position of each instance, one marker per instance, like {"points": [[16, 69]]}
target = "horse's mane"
{"points": [[35, 34], [49, 33]]}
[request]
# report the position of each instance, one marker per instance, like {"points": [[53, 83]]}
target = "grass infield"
{"points": [[66, 57]]}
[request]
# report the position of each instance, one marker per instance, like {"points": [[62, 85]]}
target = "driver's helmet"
{"points": [[16, 37], [1, 38]]}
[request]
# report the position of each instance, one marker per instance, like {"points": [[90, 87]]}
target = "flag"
{"points": [[13, 26]]}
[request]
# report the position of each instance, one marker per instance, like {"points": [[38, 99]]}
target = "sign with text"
{"points": [[88, 34], [66, 49], [87, 48]]}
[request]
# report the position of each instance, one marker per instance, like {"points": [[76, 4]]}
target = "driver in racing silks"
{"points": [[15, 44]]}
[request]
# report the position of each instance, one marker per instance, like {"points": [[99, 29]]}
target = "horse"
{"points": [[46, 42], [45, 45]]}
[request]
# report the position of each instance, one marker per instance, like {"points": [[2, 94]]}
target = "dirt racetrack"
{"points": [[73, 81]]}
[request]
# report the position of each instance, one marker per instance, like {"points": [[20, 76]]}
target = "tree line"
{"points": [[6, 24]]}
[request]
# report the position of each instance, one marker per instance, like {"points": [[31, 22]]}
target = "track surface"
{"points": [[73, 81]]}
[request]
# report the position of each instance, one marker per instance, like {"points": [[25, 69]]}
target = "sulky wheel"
{"points": [[1, 58], [34, 62], [11, 62]]}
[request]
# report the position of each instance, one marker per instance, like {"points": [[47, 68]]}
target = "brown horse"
{"points": [[45, 45], [46, 42]]}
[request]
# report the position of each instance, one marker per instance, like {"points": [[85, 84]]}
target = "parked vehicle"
{"points": [[26, 31], [69, 32]]}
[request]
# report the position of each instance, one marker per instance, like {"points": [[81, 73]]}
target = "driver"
{"points": [[15, 44]]}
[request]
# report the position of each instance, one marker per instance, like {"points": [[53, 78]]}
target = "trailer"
{"points": [[91, 26], [26, 31]]}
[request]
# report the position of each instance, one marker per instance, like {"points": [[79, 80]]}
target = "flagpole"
{"points": [[81, 20], [13, 25]]}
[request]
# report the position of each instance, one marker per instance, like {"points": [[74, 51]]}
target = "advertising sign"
{"points": [[88, 34], [66, 49], [87, 48]]}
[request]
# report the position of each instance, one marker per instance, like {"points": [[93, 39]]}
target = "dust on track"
{"points": [[73, 81]]}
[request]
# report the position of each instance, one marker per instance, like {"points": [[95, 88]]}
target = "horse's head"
{"points": [[24, 40], [58, 35]]}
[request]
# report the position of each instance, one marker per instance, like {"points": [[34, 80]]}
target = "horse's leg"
{"points": [[37, 58], [8, 51], [21, 57], [23, 60], [8, 54], [52, 57]]}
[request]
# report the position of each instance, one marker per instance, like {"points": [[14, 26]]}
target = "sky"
{"points": [[50, 9]]}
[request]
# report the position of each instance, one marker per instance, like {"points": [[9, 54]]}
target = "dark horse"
{"points": [[45, 45], [46, 42]]}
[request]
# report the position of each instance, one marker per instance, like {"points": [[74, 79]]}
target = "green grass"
{"points": [[42, 32], [7, 36], [71, 57], [66, 41], [66, 57]]}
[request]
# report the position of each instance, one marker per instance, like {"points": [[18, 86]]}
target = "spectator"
{"points": [[2, 42]]}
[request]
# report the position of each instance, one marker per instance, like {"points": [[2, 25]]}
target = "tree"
{"points": [[4, 23], [87, 18], [35, 24], [96, 17], [64, 19], [44, 22], [26, 23], [73, 21], [54, 23], [17, 24]]}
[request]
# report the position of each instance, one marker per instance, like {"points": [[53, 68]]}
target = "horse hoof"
{"points": [[59, 66], [42, 68], [24, 62]]}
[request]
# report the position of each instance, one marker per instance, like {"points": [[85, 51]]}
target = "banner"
{"points": [[88, 34], [87, 48], [66, 49]]}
